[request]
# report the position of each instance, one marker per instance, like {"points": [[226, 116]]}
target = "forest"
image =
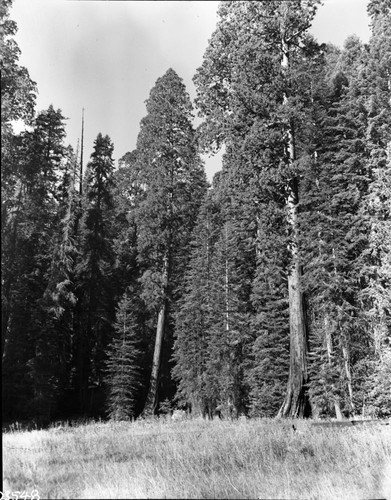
{"points": [[130, 290]]}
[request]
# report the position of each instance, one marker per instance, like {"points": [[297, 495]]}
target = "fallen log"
{"points": [[348, 423]]}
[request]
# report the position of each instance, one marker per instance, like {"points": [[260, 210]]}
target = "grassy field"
{"points": [[200, 459]]}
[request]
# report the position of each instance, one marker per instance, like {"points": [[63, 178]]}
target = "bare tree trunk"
{"points": [[329, 345], [345, 355], [258, 238], [296, 401], [152, 397], [346, 359]]}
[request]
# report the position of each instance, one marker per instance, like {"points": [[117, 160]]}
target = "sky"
{"points": [[105, 56]]}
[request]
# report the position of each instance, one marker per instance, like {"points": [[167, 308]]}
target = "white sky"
{"points": [[106, 56]]}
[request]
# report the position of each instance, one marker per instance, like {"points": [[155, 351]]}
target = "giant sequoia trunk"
{"points": [[296, 403], [152, 397]]}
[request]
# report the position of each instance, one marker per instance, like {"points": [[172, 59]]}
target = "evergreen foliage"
{"points": [[123, 362], [266, 293], [337, 235], [252, 96], [29, 236], [194, 316], [18, 91], [172, 183], [94, 271], [376, 207]]}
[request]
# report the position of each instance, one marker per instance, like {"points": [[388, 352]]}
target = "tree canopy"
{"points": [[141, 288]]}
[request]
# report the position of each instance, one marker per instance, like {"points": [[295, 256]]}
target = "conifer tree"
{"points": [[28, 242], [268, 294], [173, 183], [123, 361], [230, 330], [52, 365], [127, 269], [268, 371], [125, 196], [194, 316], [234, 267], [379, 143], [214, 314], [339, 232], [59, 299], [246, 88], [377, 207], [18, 91], [94, 272]]}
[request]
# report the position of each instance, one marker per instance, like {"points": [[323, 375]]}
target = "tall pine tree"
{"points": [[247, 88], [173, 182], [94, 275], [123, 361], [28, 242]]}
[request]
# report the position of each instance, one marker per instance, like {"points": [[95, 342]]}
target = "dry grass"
{"points": [[201, 459]]}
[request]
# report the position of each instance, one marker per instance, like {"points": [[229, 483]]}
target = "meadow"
{"points": [[162, 458]]}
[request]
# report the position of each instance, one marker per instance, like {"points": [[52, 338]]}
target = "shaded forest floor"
{"points": [[200, 459]]}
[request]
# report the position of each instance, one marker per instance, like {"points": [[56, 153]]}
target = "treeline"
{"points": [[140, 288]]}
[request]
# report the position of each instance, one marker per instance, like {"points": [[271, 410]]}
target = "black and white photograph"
{"points": [[196, 249]]}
